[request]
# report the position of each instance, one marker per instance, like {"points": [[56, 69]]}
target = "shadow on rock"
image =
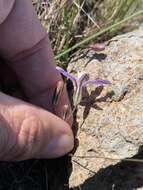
{"points": [[90, 100], [126, 175]]}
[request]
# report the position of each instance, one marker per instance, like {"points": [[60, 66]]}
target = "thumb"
{"points": [[29, 132]]}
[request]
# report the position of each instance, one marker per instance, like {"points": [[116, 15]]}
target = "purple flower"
{"points": [[79, 82]]}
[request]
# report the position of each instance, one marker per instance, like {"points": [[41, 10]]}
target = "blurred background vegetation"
{"points": [[70, 21]]}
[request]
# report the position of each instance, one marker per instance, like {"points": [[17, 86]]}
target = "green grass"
{"points": [[97, 34], [70, 23]]}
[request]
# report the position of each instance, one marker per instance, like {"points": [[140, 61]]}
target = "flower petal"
{"points": [[66, 74], [97, 82]]}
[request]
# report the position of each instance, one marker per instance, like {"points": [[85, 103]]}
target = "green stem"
{"points": [[98, 34]]}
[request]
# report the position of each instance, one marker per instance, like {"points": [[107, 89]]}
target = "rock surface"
{"points": [[110, 118]]}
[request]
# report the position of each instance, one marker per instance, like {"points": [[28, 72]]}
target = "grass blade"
{"points": [[99, 33]]}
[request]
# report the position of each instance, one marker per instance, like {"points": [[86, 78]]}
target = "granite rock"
{"points": [[110, 118]]}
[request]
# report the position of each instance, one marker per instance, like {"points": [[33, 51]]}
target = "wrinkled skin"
{"points": [[30, 127]]}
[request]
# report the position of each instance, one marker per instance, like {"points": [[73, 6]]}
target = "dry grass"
{"points": [[69, 21]]}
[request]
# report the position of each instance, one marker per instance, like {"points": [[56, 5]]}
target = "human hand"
{"points": [[27, 130]]}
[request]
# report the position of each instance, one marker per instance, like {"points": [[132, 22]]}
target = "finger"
{"points": [[10, 86], [31, 132], [30, 55], [57, 93], [9, 83], [60, 108], [39, 78]]}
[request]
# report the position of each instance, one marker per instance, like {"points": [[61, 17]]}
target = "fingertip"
{"points": [[60, 143], [59, 139], [64, 142]]}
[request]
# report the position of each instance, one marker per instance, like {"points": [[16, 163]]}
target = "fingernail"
{"points": [[57, 93], [60, 146], [65, 112]]}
